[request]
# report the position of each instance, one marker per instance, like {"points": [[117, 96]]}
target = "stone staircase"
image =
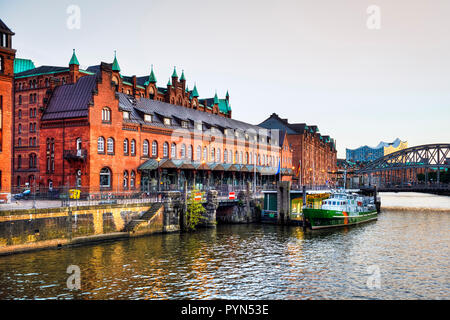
{"points": [[147, 216]]}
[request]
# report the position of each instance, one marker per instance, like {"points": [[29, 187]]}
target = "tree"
{"points": [[194, 213]]}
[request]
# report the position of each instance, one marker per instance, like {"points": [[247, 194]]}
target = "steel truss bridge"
{"points": [[399, 170]]}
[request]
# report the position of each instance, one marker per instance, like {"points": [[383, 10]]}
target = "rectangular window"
{"points": [[148, 118], [126, 115], [184, 124], [167, 121]]}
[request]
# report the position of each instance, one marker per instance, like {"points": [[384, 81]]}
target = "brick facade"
{"points": [[314, 156], [7, 55]]}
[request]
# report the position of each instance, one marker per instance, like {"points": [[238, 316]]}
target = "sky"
{"points": [[362, 76]]}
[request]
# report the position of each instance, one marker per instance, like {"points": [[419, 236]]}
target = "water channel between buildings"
{"points": [[408, 245]]}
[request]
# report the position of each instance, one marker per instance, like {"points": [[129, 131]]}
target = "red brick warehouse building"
{"points": [[7, 55], [107, 131], [314, 155], [98, 129]]}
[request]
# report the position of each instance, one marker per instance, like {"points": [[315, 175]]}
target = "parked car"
{"points": [[25, 195]]}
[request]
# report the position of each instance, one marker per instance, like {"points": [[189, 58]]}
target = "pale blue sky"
{"points": [[309, 61]]}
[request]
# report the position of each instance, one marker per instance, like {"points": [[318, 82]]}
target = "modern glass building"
{"points": [[367, 154]]}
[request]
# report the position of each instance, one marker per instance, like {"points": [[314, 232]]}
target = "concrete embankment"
{"points": [[29, 230]]}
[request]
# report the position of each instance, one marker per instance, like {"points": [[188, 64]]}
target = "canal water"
{"points": [[403, 255]]}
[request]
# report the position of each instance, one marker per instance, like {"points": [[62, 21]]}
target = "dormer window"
{"points": [[246, 136], [225, 132], [199, 126], [167, 121], [184, 124], [148, 118], [126, 115]]}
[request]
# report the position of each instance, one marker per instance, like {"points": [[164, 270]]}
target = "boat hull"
{"points": [[320, 219]]}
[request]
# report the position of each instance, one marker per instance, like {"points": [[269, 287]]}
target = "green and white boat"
{"points": [[341, 209]]}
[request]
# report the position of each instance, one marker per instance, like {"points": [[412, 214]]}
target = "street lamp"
{"points": [[159, 176]]}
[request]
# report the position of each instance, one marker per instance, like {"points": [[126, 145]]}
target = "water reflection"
{"points": [[248, 262]]}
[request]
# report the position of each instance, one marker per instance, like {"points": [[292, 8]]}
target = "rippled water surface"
{"points": [[410, 249]]}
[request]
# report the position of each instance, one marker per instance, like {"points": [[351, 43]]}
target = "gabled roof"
{"points": [[4, 28], [71, 100]]}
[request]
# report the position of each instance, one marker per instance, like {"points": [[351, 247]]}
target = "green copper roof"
{"points": [[182, 76], [21, 65], [115, 66], [224, 106], [187, 89], [227, 95], [169, 83], [216, 99], [174, 74], [152, 78], [74, 59], [195, 92]]}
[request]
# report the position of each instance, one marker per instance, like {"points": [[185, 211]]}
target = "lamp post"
{"points": [[203, 163], [159, 175]]}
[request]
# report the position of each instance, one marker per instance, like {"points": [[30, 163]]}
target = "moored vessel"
{"points": [[341, 209]]}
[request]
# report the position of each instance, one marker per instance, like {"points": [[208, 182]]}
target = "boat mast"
{"points": [[345, 175]]}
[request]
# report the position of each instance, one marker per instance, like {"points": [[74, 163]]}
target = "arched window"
{"points": [[250, 160], [78, 144], [218, 155], [132, 179], [133, 147], [19, 161], [106, 114], [213, 154], [154, 149], [101, 144], [46, 82], [110, 145], [32, 160], [165, 150], [30, 143], [240, 158], [236, 157], [19, 130], [246, 158], [145, 148], [125, 179], [190, 152], [230, 156], [105, 178], [183, 151], [18, 181], [125, 147], [19, 142], [173, 151], [20, 100], [205, 154], [225, 156], [199, 153]]}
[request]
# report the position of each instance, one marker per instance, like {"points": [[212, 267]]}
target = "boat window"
{"points": [[334, 203]]}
